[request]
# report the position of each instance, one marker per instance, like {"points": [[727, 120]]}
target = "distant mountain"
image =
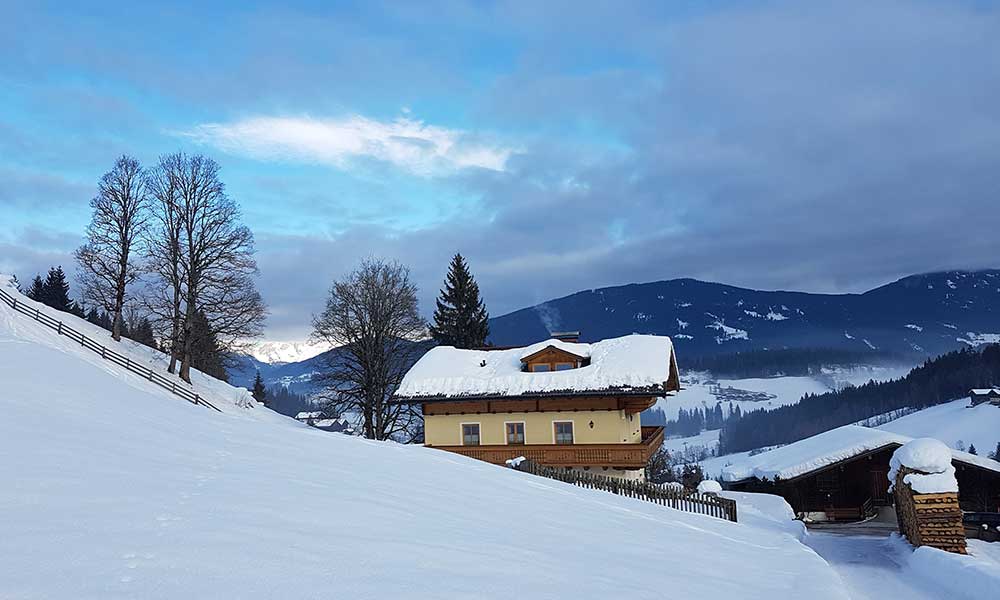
{"points": [[298, 377], [285, 352], [920, 315]]}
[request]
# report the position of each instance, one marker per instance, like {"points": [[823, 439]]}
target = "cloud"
{"points": [[409, 144]]}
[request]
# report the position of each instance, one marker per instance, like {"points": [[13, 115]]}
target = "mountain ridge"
{"points": [[921, 314], [917, 316]]}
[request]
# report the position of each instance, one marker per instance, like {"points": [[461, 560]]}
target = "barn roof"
{"points": [[633, 364], [820, 451]]}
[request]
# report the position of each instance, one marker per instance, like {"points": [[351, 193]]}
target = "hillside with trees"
{"points": [[938, 380]]}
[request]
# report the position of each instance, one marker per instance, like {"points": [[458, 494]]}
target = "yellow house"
{"points": [[557, 402]]}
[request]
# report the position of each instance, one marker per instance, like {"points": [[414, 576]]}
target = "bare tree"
{"points": [[107, 260], [372, 315], [163, 250], [217, 263]]}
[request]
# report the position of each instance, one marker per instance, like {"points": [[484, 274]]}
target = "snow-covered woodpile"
{"points": [[926, 494]]}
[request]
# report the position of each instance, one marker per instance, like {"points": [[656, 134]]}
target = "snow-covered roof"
{"points": [[824, 449], [309, 415], [633, 363], [984, 391]]}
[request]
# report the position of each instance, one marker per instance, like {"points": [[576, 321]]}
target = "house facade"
{"points": [[557, 403]]}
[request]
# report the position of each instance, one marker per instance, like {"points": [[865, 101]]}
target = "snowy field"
{"points": [[700, 390], [116, 489], [955, 424]]}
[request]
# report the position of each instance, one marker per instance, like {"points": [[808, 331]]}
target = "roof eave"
{"points": [[658, 393]]}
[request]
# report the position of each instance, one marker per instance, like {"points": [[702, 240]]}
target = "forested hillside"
{"points": [[938, 380]]}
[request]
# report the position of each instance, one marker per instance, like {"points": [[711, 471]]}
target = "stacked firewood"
{"points": [[929, 519]]}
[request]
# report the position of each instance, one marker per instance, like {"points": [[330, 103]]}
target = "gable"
{"points": [[551, 357]]}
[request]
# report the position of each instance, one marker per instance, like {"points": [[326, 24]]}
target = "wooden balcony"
{"points": [[621, 456]]}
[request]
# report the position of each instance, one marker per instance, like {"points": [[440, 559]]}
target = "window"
{"points": [[515, 433], [470, 434], [564, 366], [564, 432], [539, 367]]}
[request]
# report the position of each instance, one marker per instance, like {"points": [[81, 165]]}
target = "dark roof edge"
{"points": [[658, 392]]}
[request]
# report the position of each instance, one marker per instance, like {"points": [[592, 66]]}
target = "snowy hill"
{"points": [[116, 488], [954, 423], [918, 315]]}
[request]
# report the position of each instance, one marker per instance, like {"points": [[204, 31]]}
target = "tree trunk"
{"points": [[186, 357]]}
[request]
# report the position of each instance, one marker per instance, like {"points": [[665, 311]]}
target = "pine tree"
{"points": [[141, 332], [55, 291], [37, 290], [996, 453], [259, 392], [460, 319], [207, 355], [972, 449]]}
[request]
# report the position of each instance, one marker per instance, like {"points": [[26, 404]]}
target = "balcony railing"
{"points": [[622, 456]]}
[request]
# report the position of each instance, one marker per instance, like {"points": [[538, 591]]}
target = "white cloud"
{"points": [[407, 143]]}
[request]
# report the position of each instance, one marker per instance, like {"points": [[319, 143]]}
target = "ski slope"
{"points": [[113, 488]]}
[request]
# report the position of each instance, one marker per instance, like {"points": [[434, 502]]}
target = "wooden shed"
{"points": [[841, 475]]}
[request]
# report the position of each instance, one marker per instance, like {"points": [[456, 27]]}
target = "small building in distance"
{"points": [[842, 474], [308, 417], [558, 403], [979, 396], [316, 419]]}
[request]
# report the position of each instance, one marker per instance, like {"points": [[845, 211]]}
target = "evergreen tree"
{"points": [[55, 290], [996, 453], [460, 319], [207, 355], [141, 332], [37, 290], [972, 449], [259, 392]]}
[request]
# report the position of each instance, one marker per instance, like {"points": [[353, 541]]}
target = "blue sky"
{"points": [[559, 146]]}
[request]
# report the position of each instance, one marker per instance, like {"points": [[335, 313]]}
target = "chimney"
{"points": [[566, 336]]}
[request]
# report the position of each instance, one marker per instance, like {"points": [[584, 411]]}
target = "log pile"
{"points": [[929, 519]]}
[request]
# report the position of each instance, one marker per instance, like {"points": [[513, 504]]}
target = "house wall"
{"points": [[610, 427]]}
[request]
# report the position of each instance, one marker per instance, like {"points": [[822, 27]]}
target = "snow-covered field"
{"points": [[700, 390], [955, 424], [113, 488]]}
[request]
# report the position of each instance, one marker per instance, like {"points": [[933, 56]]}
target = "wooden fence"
{"points": [[173, 385], [705, 504]]}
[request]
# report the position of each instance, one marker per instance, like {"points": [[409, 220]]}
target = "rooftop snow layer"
{"points": [[825, 449], [631, 362], [932, 458]]}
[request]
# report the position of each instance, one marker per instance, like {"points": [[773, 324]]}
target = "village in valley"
{"points": [[499, 301]]}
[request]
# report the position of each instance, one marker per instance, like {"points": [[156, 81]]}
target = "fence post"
{"points": [[60, 328]]}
